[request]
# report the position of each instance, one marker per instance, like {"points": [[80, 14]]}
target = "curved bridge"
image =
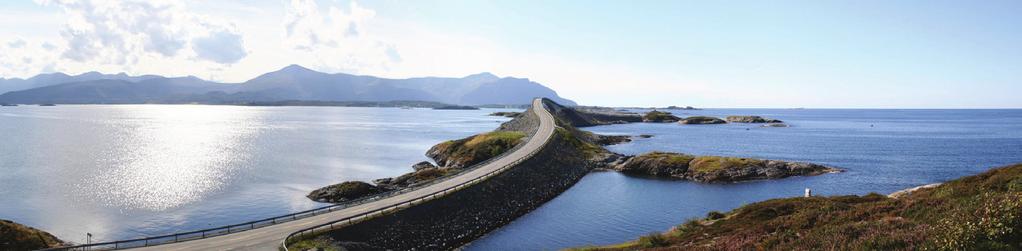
{"points": [[272, 237]]}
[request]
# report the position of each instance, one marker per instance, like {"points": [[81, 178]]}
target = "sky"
{"points": [[755, 54]]}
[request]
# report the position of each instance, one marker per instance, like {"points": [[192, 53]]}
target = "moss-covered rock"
{"points": [[14, 236], [469, 151], [345, 191], [716, 169], [701, 120], [981, 212], [751, 119], [659, 117]]}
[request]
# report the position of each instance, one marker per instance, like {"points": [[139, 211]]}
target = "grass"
{"points": [[316, 243], [468, 151], [981, 212], [705, 164], [672, 159], [14, 236]]}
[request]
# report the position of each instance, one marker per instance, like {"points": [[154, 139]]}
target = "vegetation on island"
{"points": [[659, 117], [469, 151], [751, 119], [981, 212], [14, 236], [716, 168]]}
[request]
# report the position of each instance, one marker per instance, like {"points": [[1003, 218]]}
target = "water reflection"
{"points": [[166, 156]]}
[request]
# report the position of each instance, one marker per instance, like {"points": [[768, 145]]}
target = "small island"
{"points": [[715, 169], [456, 107], [701, 120], [659, 117], [751, 119]]}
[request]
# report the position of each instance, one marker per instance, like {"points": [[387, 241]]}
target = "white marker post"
{"points": [[809, 192]]}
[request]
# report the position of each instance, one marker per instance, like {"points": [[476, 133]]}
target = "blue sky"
{"points": [[830, 54]]}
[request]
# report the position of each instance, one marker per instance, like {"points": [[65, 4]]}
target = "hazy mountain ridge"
{"points": [[290, 83]]}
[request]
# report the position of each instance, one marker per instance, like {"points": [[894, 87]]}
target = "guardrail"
{"points": [[235, 228], [311, 231]]}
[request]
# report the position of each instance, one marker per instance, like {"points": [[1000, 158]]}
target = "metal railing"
{"points": [[235, 228], [311, 231]]}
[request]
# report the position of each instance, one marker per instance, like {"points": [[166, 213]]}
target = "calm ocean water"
{"points": [[136, 170], [882, 150], [129, 171]]}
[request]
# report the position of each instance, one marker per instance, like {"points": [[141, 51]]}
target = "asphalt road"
{"points": [[270, 237]]}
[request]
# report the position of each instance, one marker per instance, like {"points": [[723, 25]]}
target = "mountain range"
{"points": [[290, 83]]}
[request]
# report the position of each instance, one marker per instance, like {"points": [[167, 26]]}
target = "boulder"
{"points": [[423, 165]]}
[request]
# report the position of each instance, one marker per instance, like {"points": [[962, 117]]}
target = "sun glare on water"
{"points": [[177, 154]]}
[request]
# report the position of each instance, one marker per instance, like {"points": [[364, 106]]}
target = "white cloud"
{"points": [[336, 40], [126, 32], [17, 43]]}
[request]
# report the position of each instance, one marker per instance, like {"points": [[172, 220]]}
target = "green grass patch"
{"points": [[707, 164]]}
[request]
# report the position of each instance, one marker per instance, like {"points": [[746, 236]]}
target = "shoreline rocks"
{"points": [[702, 120], [714, 169], [345, 191], [751, 119]]}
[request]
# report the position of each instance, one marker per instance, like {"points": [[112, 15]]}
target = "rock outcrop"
{"points": [[751, 119], [701, 120], [659, 117], [414, 178], [14, 236], [346, 191], [505, 114], [716, 169]]}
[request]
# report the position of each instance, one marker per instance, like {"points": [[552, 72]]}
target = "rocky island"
{"points": [[751, 119], [659, 117], [702, 120], [715, 168]]}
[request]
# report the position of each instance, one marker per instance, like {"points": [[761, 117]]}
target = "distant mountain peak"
{"points": [[295, 68], [482, 77]]}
